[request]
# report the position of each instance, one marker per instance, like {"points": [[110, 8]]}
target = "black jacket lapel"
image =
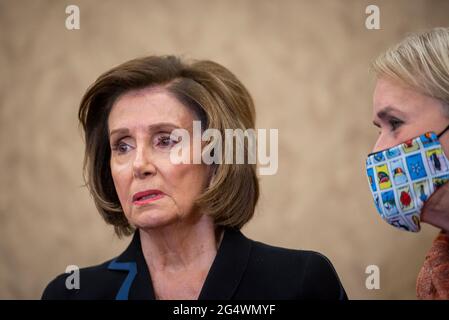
{"points": [[137, 285], [221, 282], [228, 267]]}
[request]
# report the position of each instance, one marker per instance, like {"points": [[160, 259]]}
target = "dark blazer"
{"points": [[242, 269]]}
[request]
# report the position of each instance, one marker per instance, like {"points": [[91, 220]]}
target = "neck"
{"points": [[181, 246]]}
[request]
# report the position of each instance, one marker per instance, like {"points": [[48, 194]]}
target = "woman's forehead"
{"points": [[146, 108], [393, 98]]}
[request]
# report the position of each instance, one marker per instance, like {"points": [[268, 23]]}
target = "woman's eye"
{"points": [[165, 141], [395, 123], [120, 147]]}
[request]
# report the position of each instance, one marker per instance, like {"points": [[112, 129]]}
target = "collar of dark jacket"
{"points": [[221, 282]]}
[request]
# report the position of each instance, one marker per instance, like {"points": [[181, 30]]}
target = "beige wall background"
{"points": [[306, 65]]}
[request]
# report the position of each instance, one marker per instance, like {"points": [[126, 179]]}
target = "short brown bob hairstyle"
{"points": [[218, 98]]}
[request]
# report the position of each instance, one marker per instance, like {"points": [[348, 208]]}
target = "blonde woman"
{"points": [[409, 180]]}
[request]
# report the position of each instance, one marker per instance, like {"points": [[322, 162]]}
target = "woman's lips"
{"points": [[144, 201], [144, 197]]}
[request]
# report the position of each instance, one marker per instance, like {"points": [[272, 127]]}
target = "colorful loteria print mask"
{"points": [[403, 177]]}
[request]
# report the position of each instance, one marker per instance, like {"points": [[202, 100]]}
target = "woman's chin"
{"points": [[152, 218]]}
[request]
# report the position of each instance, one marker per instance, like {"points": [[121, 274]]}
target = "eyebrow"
{"points": [[151, 128], [386, 112]]}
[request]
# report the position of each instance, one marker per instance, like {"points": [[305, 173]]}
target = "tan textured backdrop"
{"points": [[306, 64]]}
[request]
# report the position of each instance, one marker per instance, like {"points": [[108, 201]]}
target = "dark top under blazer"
{"points": [[242, 269]]}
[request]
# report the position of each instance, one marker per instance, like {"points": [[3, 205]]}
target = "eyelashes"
{"points": [[161, 141], [165, 141], [395, 123], [118, 147]]}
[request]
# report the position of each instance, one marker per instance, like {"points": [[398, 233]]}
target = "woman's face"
{"points": [[401, 114], [139, 125]]}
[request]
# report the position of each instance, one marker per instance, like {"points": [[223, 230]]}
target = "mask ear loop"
{"points": [[443, 132]]}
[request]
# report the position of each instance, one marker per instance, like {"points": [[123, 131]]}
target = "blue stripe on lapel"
{"points": [[126, 285]]}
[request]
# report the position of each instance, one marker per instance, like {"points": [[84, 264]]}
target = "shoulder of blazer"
{"points": [[94, 283], [321, 280], [310, 272], [111, 279]]}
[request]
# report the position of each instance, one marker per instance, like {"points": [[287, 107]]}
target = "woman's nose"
{"points": [[377, 146], [143, 163], [383, 142]]}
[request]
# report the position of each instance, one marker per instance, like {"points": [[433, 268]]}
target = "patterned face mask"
{"points": [[403, 177]]}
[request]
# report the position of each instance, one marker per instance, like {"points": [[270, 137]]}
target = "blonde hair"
{"points": [[218, 98], [420, 61]]}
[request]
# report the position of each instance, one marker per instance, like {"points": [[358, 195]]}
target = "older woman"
{"points": [[185, 217], [409, 165]]}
